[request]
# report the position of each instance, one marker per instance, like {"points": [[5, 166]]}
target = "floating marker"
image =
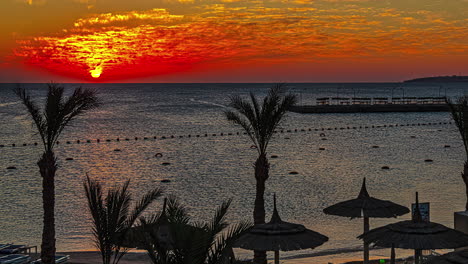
{"points": [[165, 180], [117, 150], [69, 159], [375, 146], [428, 160], [11, 168], [447, 146], [293, 172], [321, 148], [165, 163], [385, 168], [274, 156]]}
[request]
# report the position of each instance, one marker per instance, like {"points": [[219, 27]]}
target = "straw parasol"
{"points": [[279, 235], [456, 257], [415, 234], [366, 206]]}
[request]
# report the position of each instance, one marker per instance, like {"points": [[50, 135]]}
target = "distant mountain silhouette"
{"points": [[453, 78]]}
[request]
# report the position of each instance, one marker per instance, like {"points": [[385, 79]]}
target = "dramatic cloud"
{"points": [[117, 45]]}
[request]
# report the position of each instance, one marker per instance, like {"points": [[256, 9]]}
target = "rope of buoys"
{"points": [[245, 133]]}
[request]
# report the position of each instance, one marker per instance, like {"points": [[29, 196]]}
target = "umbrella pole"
{"points": [[392, 255], [277, 257], [417, 254], [366, 245]]}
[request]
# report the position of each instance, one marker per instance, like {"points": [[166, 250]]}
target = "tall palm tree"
{"points": [[111, 216], [190, 242], [260, 123], [50, 122], [459, 110]]}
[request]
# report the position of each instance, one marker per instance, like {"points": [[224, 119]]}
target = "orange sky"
{"points": [[231, 40]]}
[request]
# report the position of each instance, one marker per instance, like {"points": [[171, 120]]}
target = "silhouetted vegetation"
{"points": [[50, 122], [260, 121]]}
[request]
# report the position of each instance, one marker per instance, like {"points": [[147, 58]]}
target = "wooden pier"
{"points": [[374, 105]]}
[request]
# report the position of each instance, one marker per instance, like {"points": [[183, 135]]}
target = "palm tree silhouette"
{"points": [[111, 215], [459, 110], [260, 123], [50, 122]]}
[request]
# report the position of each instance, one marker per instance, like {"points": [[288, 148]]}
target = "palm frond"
{"points": [[459, 111], [34, 111], [141, 206], [222, 249]]}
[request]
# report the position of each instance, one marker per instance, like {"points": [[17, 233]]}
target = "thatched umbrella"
{"points": [[366, 206], [279, 235], [456, 257], [415, 234]]}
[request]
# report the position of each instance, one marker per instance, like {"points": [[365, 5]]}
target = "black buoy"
{"points": [[78, 141], [98, 140], [428, 160], [11, 168], [165, 180], [273, 156], [145, 138], [108, 140], [165, 163], [116, 150], [321, 148], [127, 139], [68, 142], [158, 155], [413, 137], [88, 141], [69, 159], [375, 146], [293, 172], [24, 144], [447, 146], [286, 138], [136, 138], [35, 143], [324, 138], [1, 146], [13, 145], [117, 139], [385, 168]]}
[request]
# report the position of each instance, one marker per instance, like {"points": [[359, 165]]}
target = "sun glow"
{"points": [[96, 73]]}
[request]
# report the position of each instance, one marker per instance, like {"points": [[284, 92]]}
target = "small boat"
{"points": [[15, 259], [58, 260]]}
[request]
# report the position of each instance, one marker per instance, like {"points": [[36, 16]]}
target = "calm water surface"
{"points": [[207, 170]]}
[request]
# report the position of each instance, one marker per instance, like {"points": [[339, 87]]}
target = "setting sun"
{"points": [[96, 73]]}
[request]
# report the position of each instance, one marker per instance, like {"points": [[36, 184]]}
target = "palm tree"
{"points": [[111, 216], [260, 123], [188, 242], [459, 110], [58, 112]]}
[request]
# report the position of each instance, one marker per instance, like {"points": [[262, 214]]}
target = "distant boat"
{"points": [[440, 79]]}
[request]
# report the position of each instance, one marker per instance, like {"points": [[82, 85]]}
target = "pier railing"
{"points": [[379, 100]]}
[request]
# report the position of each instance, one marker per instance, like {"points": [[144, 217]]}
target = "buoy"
{"points": [[88, 141], [253, 147], [286, 138], [288, 131], [157, 155], [108, 140], [230, 134], [69, 159], [155, 137], [68, 142], [165, 180], [172, 136], [322, 135], [11, 168], [78, 141], [181, 136], [310, 129], [321, 148], [13, 145], [1, 146], [413, 137], [35, 143], [166, 163], [385, 167], [198, 135], [447, 146], [118, 139], [302, 130], [206, 135], [274, 156], [136, 138], [98, 140], [116, 150], [24, 144], [324, 138], [295, 130], [163, 137], [222, 134], [293, 172], [127, 139], [145, 138], [214, 135], [375, 146], [428, 160], [189, 135]]}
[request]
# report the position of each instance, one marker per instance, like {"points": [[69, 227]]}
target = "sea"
{"points": [[210, 160]]}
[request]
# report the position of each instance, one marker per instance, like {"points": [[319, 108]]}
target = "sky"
{"points": [[231, 40]]}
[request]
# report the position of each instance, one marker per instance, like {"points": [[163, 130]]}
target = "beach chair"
{"points": [[58, 260], [2, 246], [12, 249], [15, 259]]}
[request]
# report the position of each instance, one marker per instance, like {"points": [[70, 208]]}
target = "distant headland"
{"points": [[436, 79]]}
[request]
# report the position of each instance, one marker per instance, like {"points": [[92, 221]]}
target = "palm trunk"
{"points": [[48, 166], [262, 168], [465, 180]]}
